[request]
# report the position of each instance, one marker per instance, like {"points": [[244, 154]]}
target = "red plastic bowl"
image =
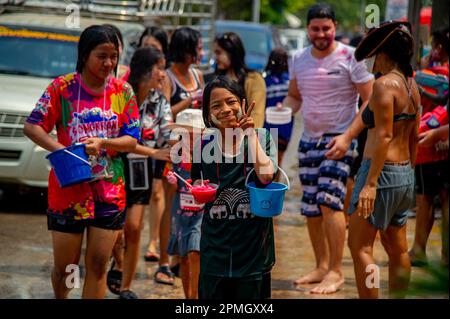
{"points": [[204, 194]]}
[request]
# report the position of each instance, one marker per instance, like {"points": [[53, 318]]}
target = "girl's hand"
{"points": [[428, 138], [246, 121], [366, 201], [162, 154], [93, 145], [171, 178]]}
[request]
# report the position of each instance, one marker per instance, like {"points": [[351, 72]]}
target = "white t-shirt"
{"points": [[327, 87]]}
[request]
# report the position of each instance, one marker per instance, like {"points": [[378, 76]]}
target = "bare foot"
{"points": [[330, 283], [314, 276]]}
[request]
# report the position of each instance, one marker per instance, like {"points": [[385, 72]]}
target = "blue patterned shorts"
{"points": [[323, 180]]}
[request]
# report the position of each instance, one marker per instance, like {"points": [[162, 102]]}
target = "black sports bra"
{"points": [[369, 119]]}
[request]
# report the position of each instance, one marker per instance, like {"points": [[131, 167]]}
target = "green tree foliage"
{"points": [[272, 10], [350, 13]]}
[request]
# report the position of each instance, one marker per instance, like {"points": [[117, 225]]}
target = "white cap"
{"points": [[191, 117]]}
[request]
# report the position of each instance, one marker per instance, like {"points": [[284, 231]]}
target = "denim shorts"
{"points": [[395, 194]]}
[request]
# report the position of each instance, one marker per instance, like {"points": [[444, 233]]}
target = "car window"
{"points": [[42, 53]]}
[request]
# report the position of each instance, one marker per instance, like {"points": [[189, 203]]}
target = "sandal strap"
{"points": [[165, 270]]}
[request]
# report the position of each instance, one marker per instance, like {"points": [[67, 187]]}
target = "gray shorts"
{"points": [[395, 194]]}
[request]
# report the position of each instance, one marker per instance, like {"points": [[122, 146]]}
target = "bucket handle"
{"points": [[75, 155], [282, 171]]}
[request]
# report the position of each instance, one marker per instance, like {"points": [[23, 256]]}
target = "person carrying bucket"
{"points": [[237, 248], [90, 107]]}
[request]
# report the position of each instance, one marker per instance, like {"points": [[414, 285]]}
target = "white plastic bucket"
{"points": [[278, 115]]}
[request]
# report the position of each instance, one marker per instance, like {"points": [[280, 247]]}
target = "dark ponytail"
{"points": [[400, 49]]}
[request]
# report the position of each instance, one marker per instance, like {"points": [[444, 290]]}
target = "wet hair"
{"points": [[159, 34], [183, 44], [90, 38], [400, 48], [232, 44], [116, 31], [440, 37], [220, 82], [142, 63], [320, 11], [278, 61]]}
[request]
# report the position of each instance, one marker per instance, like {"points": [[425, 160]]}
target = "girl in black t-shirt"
{"points": [[236, 247]]}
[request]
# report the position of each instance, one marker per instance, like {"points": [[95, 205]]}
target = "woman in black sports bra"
{"points": [[384, 186]]}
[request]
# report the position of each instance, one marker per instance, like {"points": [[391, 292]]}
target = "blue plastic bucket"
{"points": [[71, 165], [268, 201]]}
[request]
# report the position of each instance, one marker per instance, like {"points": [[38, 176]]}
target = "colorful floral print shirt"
{"points": [[110, 114]]}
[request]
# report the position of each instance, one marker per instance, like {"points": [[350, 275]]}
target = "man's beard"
{"points": [[324, 43]]}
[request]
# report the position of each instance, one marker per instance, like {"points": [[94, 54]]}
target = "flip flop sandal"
{"points": [[114, 280], [166, 271], [127, 294]]}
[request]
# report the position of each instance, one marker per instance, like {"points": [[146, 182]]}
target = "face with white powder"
{"points": [[224, 108]]}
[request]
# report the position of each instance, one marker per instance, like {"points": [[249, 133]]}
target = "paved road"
{"points": [[26, 252], [26, 256]]}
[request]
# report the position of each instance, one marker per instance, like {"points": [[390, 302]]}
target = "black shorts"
{"points": [[69, 225], [431, 178], [137, 197], [254, 287], [282, 144], [158, 168]]}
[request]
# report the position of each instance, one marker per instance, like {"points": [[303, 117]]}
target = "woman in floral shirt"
{"points": [[91, 107]]}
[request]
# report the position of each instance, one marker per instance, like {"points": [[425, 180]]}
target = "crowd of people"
{"points": [[361, 110]]}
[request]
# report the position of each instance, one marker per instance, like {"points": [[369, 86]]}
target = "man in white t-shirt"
{"points": [[325, 80]]}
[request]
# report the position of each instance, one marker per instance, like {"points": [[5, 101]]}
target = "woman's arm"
{"points": [[431, 137], [38, 135], [255, 90], [414, 136], [382, 102], [340, 144], [125, 144], [162, 154]]}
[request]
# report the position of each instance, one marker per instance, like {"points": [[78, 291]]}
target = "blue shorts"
{"points": [[395, 194], [323, 180], [186, 220]]}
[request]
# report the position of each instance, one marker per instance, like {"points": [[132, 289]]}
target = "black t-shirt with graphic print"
{"points": [[234, 242]]}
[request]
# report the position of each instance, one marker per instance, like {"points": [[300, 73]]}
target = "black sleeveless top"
{"points": [[179, 92], [368, 116]]}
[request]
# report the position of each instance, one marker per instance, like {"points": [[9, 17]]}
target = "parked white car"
{"points": [[35, 48]]}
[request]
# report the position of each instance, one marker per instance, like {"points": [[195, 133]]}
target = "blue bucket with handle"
{"points": [[71, 165], [267, 201]]}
